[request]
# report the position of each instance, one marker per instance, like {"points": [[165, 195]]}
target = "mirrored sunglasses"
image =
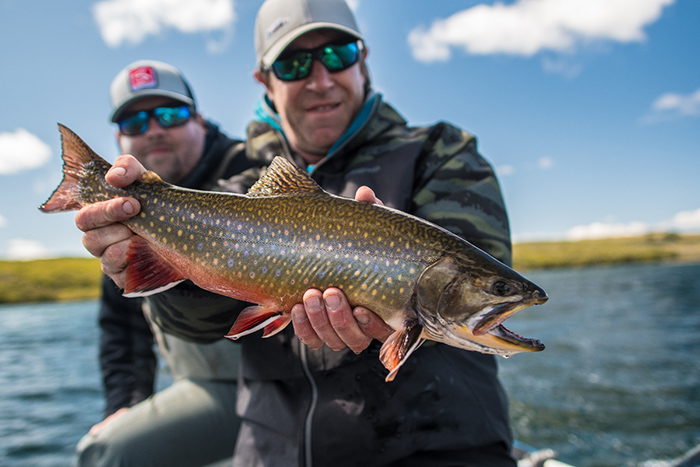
{"points": [[296, 64], [167, 117]]}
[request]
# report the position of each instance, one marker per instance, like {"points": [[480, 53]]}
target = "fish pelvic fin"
{"points": [[283, 177], [399, 346], [255, 318], [76, 155], [146, 272]]}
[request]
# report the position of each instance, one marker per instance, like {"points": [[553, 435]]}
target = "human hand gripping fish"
{"points": [[323, 317], [286, 237]]}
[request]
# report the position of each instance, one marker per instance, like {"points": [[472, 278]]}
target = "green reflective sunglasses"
{"points": [[296, 64]]}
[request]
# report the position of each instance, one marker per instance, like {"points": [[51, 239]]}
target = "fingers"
{"points": [[371, 324], [106, 213], [105, 237], [327, 318], [312, 322], [125, 171], [366, 194]]}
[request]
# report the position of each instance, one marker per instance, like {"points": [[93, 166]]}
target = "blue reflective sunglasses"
{"points": [[296, 64], [167, 117]]}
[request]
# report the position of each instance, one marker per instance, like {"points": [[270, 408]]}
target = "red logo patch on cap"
{"points": [[142, 77]]}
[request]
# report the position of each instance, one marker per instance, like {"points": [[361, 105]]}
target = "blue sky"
{"points": [[588, 109]]}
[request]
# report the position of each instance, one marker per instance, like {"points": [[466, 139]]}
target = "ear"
{"points": [[199, 118], [264, 79], [260, 77]]}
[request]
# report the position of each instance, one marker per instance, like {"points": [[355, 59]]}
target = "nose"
{"points": [[320, 78], [539, 295], [153, 126]]}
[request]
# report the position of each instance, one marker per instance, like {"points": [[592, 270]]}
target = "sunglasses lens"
{"points": [[298, 65], [134, 125], [339, 57], [169, 117]]}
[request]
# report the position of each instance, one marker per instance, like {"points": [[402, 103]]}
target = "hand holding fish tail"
{"points": [[104, 236]]}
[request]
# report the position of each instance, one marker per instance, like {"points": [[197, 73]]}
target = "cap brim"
{"points": [[278, 47], [119, 111]]}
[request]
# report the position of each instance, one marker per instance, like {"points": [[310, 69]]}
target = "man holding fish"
{"points": [[193, 420], [317, 395]]}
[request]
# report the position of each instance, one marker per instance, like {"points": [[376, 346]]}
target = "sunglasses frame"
{"points": [[152, 113], [315, 54]]}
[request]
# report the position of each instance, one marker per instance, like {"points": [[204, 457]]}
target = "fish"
{"points": [[287, 235]]}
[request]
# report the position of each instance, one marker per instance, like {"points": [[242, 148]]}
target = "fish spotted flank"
{"points": [[287, 235]]}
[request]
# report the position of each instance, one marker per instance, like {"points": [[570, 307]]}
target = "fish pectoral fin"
{"points": [[255, 318], [399, 346], [146, 272]]}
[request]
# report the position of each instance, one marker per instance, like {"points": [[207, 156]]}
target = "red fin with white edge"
{"points": [[277, 325], [146, 272], [399, 346], [255, 318]]}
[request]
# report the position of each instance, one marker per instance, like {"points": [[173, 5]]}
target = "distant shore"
{"points": [[64, 279]]}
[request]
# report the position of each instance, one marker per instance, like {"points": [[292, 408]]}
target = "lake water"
{"points": [[618, 384]]}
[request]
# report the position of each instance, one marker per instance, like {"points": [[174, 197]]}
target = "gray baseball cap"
{"points": [[146, 78], [279, 22]]}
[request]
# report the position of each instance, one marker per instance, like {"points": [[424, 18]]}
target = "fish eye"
{"points": [[500, 288]]}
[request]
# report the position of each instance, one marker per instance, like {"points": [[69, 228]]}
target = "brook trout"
{"points": [[287, 235]]}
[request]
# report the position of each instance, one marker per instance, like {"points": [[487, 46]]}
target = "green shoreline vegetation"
{"points": [[64, 279]]}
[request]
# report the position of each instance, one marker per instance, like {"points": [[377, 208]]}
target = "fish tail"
{"points": [[76, 155], [254, 318]]}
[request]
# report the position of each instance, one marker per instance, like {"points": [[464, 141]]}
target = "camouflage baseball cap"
{"points": [[279, 22], [146, 78]]}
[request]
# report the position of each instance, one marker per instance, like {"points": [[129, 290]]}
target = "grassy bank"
{"points": [[79, 278], [44, 280], [647, 248]]}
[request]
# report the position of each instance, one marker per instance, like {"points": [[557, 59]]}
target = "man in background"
{"points": [[193, 421]]}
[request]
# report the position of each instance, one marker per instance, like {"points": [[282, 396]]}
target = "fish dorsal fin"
{"points": [[283, 177], [151, 178]]}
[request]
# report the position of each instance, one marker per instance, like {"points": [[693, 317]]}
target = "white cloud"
{"points": [[505, 170], [606, 230], [527, 27], [131, 21], [684, 221], [22, 249], [22, 150], [545, 163], [672, 105]]}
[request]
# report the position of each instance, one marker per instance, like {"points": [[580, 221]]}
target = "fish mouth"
{"points": [[489, 326], [518, 342], [492, 318]]}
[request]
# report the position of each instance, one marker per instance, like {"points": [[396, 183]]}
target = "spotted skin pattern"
{"points": [[287, 235]]}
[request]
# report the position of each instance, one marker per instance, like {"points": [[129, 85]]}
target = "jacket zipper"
{"points": [[308, 422]]}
